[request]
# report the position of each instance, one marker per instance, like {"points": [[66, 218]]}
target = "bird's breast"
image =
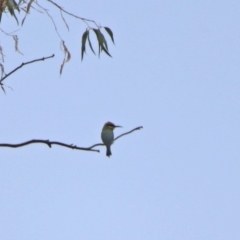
{"points": [[107, 137]]}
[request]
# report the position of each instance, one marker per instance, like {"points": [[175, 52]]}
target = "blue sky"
{"points": [[174, 71]]}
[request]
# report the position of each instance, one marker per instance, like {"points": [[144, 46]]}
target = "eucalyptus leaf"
{"points": [[103, 40], [109, 31], [90, 44], [84, 38], [99, 44], [102, 43], [106, 51]]}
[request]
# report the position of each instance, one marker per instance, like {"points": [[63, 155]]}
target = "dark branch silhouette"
{"points": [[23, 64], [137, 128], [47, 142], [72, 146]]}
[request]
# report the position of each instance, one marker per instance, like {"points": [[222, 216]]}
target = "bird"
{"points": [[108, 136]]}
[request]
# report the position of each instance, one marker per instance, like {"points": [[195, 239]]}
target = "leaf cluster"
{"points": [[102, 43]]}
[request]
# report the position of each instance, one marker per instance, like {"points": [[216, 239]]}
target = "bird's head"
{"points": [[110, 126]]}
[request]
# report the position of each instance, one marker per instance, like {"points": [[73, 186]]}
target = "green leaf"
{"points": [[102, 43], [97, 35], [11, 5], [84, 38], [103, 40], [106, 51], [109, 31], [15, 17], [90, 44]]}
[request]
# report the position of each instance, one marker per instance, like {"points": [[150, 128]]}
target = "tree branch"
{"points": [[73, 15], [47, 142], [137, 128], [23, 64], [72, 146]]}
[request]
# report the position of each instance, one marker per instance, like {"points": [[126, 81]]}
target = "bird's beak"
{"points": [[117, 126]]}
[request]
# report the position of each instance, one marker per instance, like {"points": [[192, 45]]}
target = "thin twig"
{"points": [[137, 128], [71, 146], [101, 144], [9, 34], [54, 24], [64, 20], [73, 15], [23, 64]]}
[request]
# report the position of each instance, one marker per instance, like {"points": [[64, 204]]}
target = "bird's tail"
{"points": [[108, 151]]}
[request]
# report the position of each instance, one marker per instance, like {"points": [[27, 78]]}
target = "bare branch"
{"points": [[101, 144], [73, 15], [71, 146], [137, 128], [23, 64], [54, 24], [64, 20], [49, 143]]}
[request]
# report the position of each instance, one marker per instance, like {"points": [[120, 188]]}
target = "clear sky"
{"points": [[175, 71]]}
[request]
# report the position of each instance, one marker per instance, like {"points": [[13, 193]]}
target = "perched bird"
{"points": [[108, 136]]}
